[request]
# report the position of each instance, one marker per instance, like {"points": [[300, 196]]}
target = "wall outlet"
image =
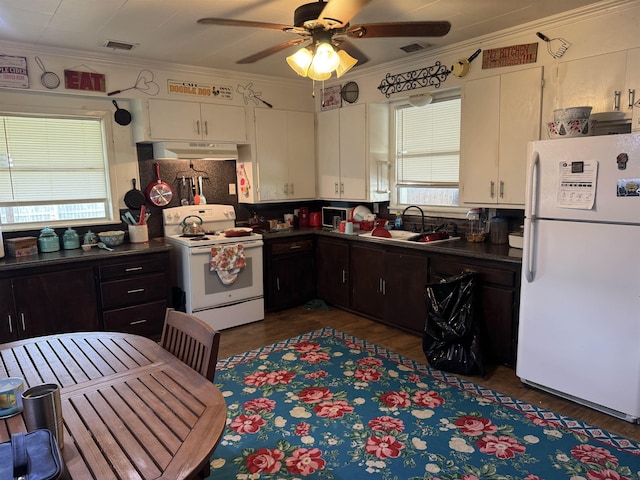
{"points": [[232, 189]]}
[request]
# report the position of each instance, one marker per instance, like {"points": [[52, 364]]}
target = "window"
{"points": [[53, 170], [427, 153]]}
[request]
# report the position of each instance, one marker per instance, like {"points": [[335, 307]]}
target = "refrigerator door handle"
{"points": [[530, 218]]}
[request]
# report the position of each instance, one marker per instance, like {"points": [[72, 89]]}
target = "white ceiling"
{"points": [[166, 30]]}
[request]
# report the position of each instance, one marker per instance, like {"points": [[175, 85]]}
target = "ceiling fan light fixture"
{"points": [[325, 60], [300, 61], [314, 74], [347, 62]]}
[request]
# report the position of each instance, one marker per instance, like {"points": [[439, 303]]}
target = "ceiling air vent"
{"points": [[416, 46], [116, 45]]}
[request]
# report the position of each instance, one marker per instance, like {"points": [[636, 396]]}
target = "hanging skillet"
{"points": [[159, 193], [122, 116], [134, 198]]}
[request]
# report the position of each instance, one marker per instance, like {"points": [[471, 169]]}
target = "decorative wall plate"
{"points": [[350, 92]]}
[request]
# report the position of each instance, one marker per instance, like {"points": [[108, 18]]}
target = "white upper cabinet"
{"points": [[282, 167], [189, 121], [353, 153], [500, 115]]}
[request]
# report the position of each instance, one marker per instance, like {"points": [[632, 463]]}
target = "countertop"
{"points": [[484, 250], [9, 264]]}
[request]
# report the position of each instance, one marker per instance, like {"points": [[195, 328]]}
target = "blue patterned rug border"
{"points": [[568, 423]]}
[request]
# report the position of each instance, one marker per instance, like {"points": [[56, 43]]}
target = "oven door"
{"points": [[207, 289]]}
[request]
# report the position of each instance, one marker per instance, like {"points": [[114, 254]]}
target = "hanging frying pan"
{"points": [[122, 116], [134, 198], [461, 68], [159, 193]]}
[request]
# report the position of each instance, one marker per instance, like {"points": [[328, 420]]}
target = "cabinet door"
{"points": [[223, 123], [171, 120], [367, 278], [519, 124], [592, 81], [56, 302], [353, 153], [480, 124], [8, 325], [332, 280], [271, 152], [301, 155], [405, 278], [328, 142], [292, 279], [633, 83]]}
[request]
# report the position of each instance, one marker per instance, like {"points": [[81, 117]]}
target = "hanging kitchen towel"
{"points": [[227, 261]]}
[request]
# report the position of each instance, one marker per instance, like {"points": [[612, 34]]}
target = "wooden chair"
{"points": [[192, 341]]}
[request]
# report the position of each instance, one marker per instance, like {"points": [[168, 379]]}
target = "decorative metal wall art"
{"points": [[432, 76]]}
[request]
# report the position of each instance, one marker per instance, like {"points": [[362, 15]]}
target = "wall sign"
{"points": [[13, 72], [91, 81], [199, 89], [508, 56]]}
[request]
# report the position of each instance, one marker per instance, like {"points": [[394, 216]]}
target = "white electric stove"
{"points": [[221, 305]]}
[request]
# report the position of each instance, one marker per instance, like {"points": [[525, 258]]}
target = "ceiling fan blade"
{"points": [[351, 49], [338, 13], [242, 23], [399, 29], [271, 50]]}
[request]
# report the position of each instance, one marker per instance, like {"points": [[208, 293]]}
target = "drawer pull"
{"points": [[136, 290], [138, 322], [295, 247], [132, 269]]}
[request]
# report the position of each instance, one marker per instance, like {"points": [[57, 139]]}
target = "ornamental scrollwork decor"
{"points": [[432, 76]]}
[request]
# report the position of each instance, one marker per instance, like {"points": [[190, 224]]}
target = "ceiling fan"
{"points": [[326, 24]]}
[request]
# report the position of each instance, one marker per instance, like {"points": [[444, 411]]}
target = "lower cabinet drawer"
{"points": [[130, 291], [146, 319]]}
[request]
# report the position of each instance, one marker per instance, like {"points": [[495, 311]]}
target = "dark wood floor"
{"points": [[289, 323]]}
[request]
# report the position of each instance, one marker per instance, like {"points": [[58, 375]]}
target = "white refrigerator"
{"points": [[579, 327]]}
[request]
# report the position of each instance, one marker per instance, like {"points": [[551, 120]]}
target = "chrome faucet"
{"points": [[421, 214]]}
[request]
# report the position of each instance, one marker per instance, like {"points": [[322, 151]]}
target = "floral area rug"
{"points": [[327, 405]]}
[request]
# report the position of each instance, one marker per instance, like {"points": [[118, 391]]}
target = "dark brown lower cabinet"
{"points": [[499, 287], [289, 272], [388, 284], [48, 303], [333, 271]]}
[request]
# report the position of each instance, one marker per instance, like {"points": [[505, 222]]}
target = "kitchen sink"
{"points": [[405, 236]]}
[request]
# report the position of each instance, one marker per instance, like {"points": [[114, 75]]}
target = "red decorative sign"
{"points": [[508, 56], [91, 81]]}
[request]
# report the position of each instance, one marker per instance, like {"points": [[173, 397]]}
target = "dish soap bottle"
{"points": [[398, 221]]}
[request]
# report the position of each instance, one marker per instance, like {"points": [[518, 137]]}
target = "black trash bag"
{"points": [[452, 335]]}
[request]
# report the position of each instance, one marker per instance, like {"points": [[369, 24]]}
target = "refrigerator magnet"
{"points": [[622, 160]]}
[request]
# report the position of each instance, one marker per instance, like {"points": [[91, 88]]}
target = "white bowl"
{"points": [[112, 238], [571, 113], [572, 128]]}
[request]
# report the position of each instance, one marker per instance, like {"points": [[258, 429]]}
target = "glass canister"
{"points": [[48, 241], [70, 239], [90, 238]]}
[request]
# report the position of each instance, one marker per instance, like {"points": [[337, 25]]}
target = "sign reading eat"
{"points": [[92, 81]]}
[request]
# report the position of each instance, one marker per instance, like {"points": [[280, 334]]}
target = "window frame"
{"points": [[105, 118], [459, 211]]}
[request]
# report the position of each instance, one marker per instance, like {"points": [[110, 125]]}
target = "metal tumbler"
{"points": [[43, 409]]}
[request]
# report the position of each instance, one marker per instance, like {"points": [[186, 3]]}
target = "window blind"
{"points": [[428, 144], [52, 160]]}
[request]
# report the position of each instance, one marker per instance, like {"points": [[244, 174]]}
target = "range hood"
{"points": [[195, 150]]}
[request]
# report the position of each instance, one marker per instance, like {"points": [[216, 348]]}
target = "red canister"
{"points": [[304, 217], [315, 219]]}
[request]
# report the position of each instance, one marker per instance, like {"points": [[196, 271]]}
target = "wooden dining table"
{"points": [[131, 409]]}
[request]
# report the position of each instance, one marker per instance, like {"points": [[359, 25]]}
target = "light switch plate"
{"points": [[232, 189]]}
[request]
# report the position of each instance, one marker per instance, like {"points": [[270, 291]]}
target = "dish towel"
{"points": [[227, 261]]}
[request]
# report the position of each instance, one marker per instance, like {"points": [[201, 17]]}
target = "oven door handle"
{"points": [[207, 250]]}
